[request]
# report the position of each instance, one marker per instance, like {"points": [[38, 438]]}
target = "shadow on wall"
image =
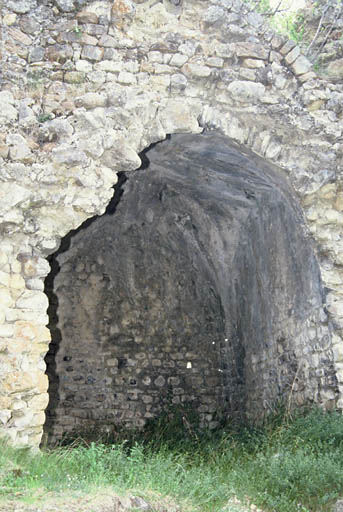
{"points": [[198, 286]]}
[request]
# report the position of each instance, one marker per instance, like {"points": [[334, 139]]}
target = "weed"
{"points": [[42, 118], [35, 79], [287, 464], [78, 31]]}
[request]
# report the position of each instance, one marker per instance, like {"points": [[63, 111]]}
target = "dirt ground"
{"points": [[104, 501]]}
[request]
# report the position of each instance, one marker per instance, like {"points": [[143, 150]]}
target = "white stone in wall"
{"points": [[178, 117], [33, 300], [301, 65], [246, 92]]}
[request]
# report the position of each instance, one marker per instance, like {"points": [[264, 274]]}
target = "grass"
{"points": [[284, 465]]}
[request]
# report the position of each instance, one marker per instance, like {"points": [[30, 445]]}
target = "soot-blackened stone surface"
{"points": [[202, 287]]}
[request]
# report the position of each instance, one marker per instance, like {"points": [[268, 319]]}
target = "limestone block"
{"points": [[18, 346], [252, 50], [85, 16], [20, 151], [5, 415], [69, 156], [275, 57], [176, 117], [29, 25], [301, 65], [4, 278], [338, 352], [307, 77], [292, 55], [41, 381], [39, 350], [36, 54], [6, 97], [6, 330], [22, 419], [7, 112], [38, 420], [74, 77], [4, 150], [273, 150], [91, 100], [59, 129], [108, 41], [27, 117], [18, 35], [247, 74], [15, 267], [83, 66], [93, 146], [253, 63], [18, 381], [3, 259], [178, 82], [160, 82], [277, 41], [335, 69], [6, 299], [155, 56], [121, 157], [287, 47], [213, 14], [5, 402], [196, 70], [126, 78], [35, 267], [30, 331], [247, 92], [109, 176], [178, 60], [215, 62], [122, 12], [39, 402], [162, 69], [9, 19], [92, 53], [19, 404], [33, 300], [65, 5]]}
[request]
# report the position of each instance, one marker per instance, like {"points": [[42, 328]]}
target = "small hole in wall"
{"points": [[122, 363], [189, 364]]}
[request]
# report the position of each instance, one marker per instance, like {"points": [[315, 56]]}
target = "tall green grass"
{"points": [[283, 466]]}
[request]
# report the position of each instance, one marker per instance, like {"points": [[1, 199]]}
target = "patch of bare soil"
{"points": [[106, 500], [103, 501]]}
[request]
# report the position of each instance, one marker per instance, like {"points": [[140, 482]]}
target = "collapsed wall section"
{"points": [[201, 289]]}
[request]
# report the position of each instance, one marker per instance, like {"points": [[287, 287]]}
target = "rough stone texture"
{"points": [[65, 176], [213, 296]]}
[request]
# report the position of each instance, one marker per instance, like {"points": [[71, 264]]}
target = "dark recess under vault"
{"points": [[201, 287]]}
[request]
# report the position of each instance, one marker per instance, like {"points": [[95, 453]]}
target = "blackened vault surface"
{"points": [[202, 288]]}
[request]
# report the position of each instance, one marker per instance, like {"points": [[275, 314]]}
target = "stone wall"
{"points": [[88, 85]]}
